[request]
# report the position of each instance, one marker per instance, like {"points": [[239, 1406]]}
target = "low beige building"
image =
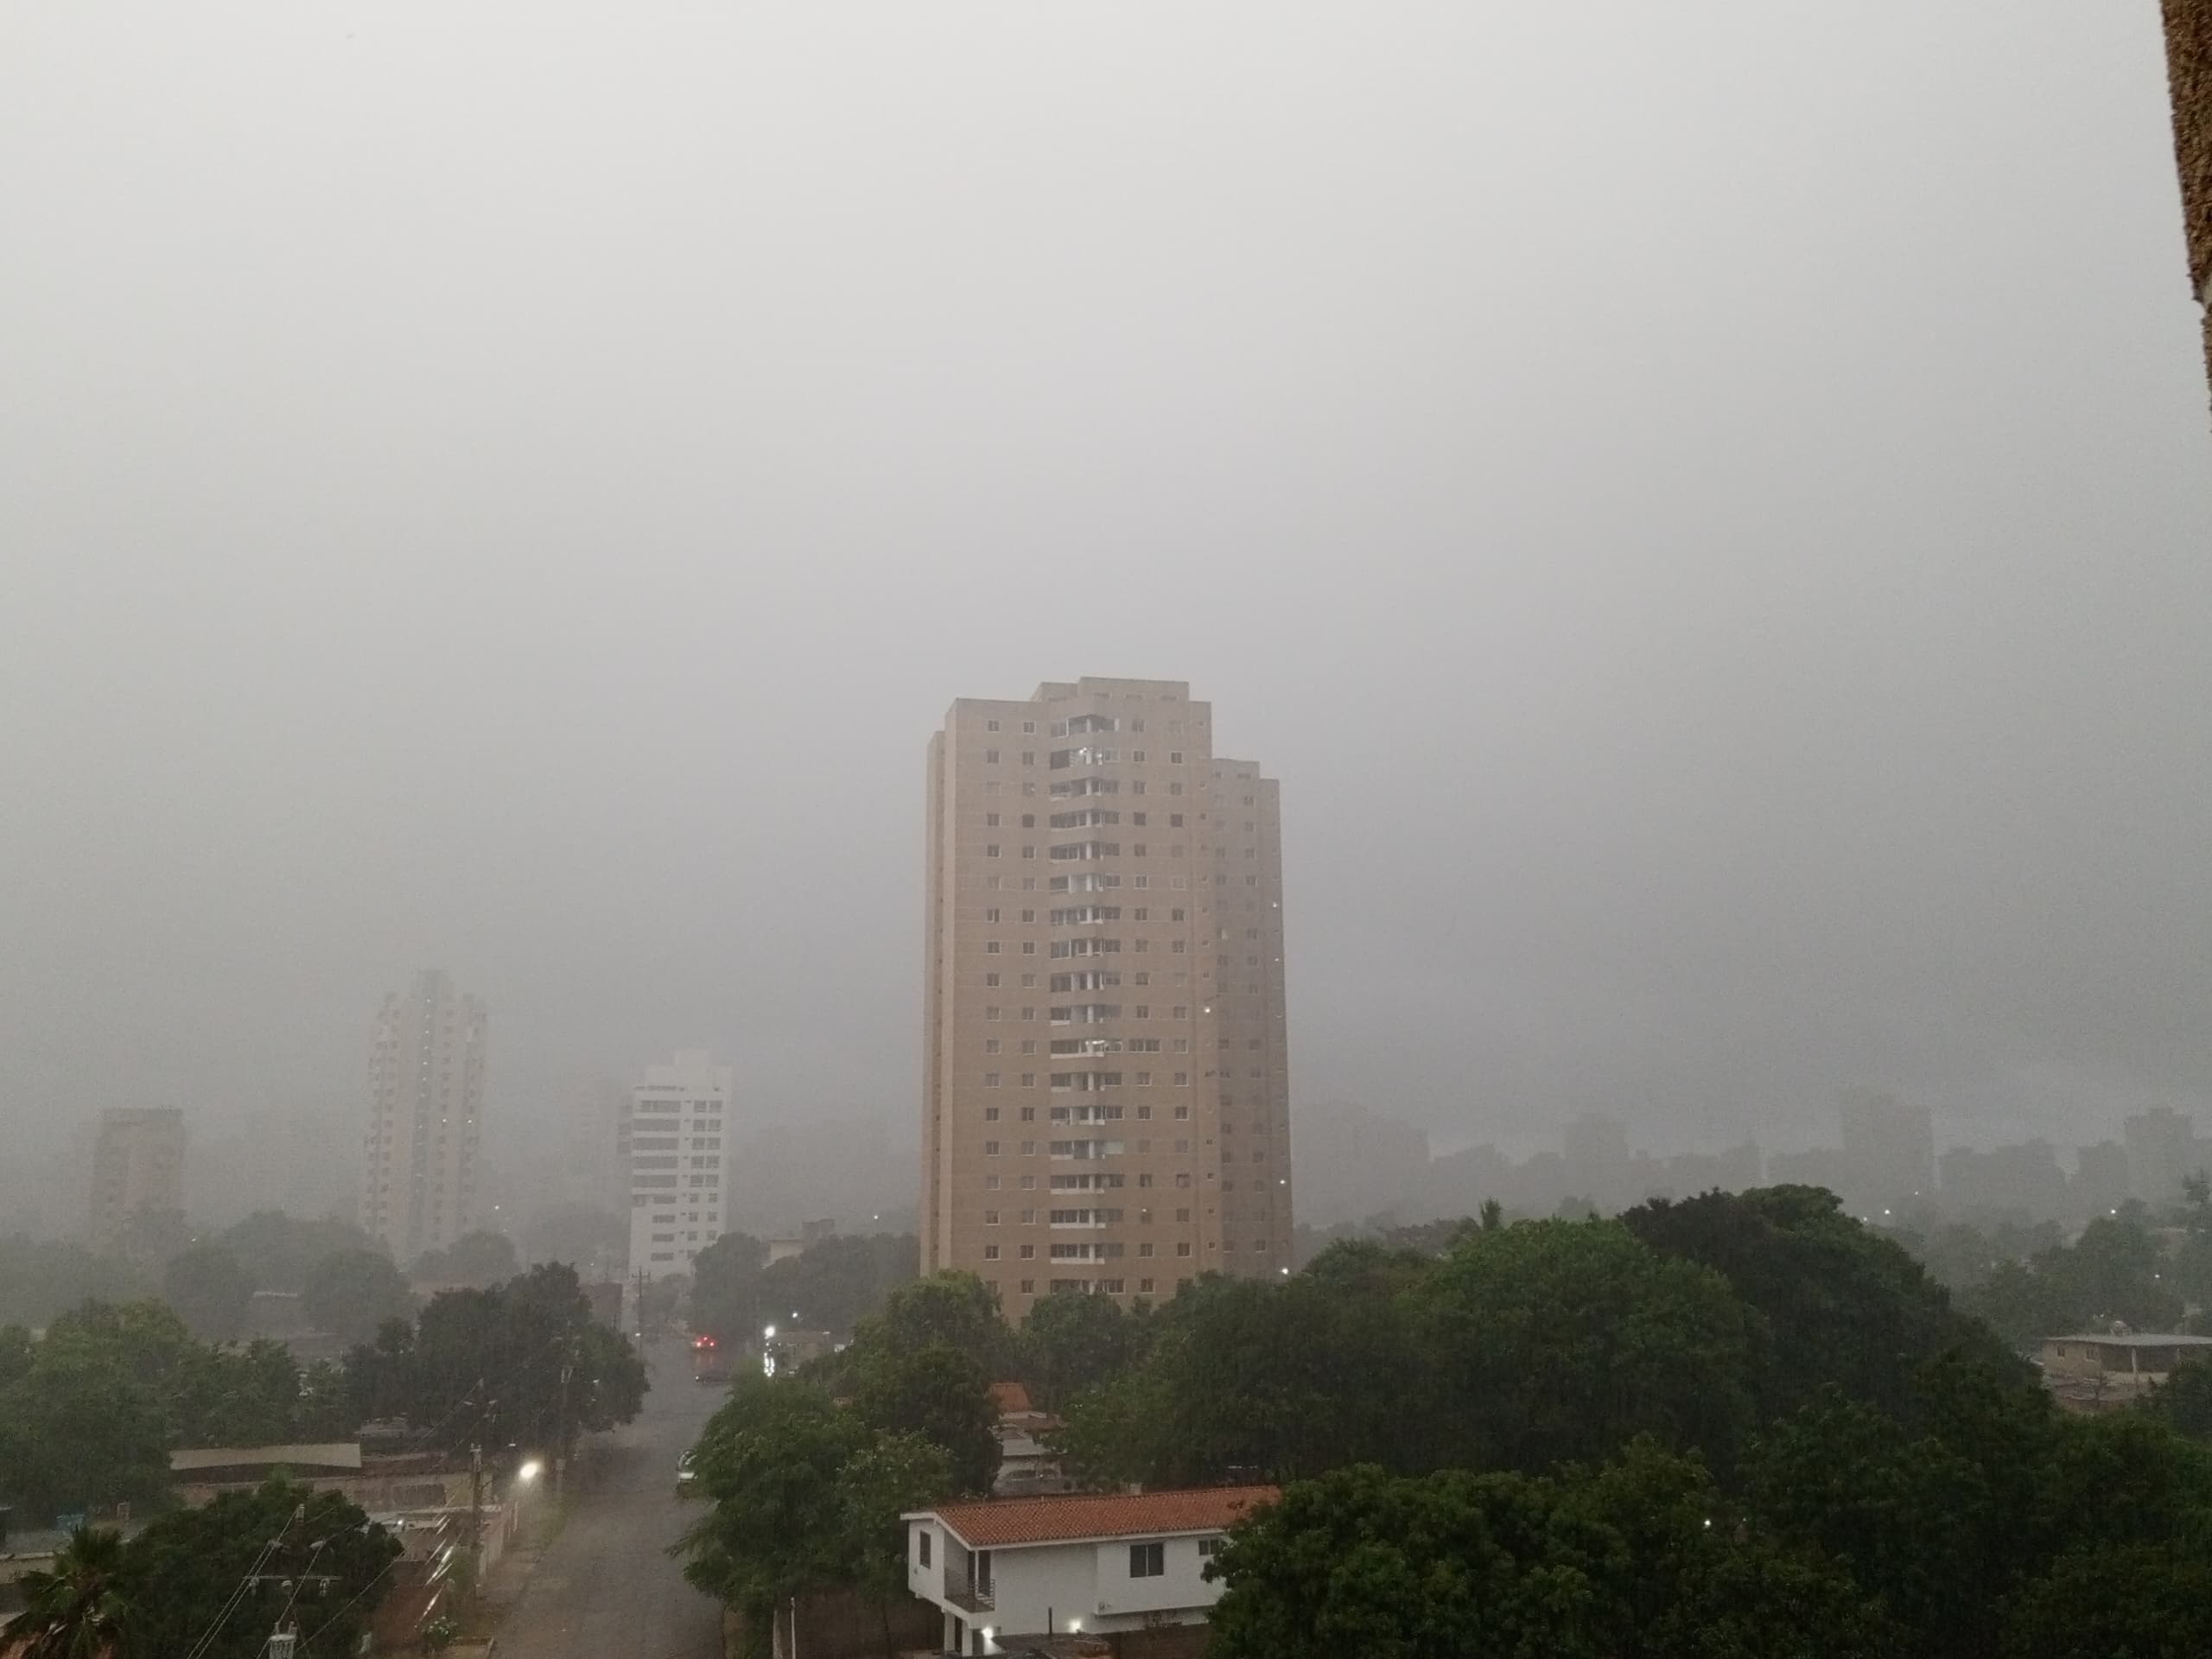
{"points": [[2094, 1371]]}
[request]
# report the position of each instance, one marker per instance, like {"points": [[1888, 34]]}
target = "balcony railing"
{"points": [[965, 1596]]}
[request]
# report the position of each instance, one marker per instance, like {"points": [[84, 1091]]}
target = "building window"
{"points": [[1148, 1561], [922, 1540], [990, 757], [1210, 1548], [990, 1252]]}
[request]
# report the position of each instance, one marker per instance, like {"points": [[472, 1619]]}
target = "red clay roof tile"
{"points": [[992, 1524]]}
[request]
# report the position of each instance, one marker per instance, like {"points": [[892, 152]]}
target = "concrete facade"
{"points": [[2188, 65], [421, 1159], [137, 1166], [1106, 1087], [681, 1133], [1004, 1572]]}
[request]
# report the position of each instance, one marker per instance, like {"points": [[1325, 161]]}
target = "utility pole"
{"points": [[476, 1514], [561, 1426]]}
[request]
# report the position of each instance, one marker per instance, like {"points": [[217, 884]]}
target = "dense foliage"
{"points": [[806, 1494], [831, 1286], [89, 1415], [517, 1364], [214, 1581], [351, 1293], [1640, 1560], [475, 1261]]}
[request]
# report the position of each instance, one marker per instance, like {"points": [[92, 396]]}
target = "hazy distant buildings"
{"points": [[2101, 1182], [1889, 1152], [138, 1168], [681, 1133], [1353, 1164], [1106, 1090], [2161, 1149], [1594, 1161], [294, 1159], [420, 1158], [2022, 1178]]}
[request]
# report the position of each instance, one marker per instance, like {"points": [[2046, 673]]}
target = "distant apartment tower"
{"points": [[1106, 1090], [681, 1133], [138, 1168], [2161, 1150], [420, 1160], [1888, 1151]]}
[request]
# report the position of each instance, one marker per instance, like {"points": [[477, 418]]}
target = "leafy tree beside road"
{"points": [[804, 1497], [488, 1365]]}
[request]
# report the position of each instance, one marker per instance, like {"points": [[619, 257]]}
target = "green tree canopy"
{"points": [[352, 1291], [1071, 1342], [940, 1394], [478, 1260], [487, 1366], [772, 1463], [282, 1249], [726, 1293], [213, 1580], [1640, 1559], [805, 1496], [2116, 1270], [1840, 1305], [210, 1291], [1555, 1340], [75, 1609]]}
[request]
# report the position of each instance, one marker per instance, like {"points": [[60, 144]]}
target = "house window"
{"points": [[1148, 1561], [1210, 1548], [923, 1539]]}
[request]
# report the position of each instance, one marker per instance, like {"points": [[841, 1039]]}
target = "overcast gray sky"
{"points": [[1705, 508]]}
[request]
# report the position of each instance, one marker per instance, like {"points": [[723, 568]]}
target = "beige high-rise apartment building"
{"points": [[1106, 1099], [420, 1159], [137, 1166]]}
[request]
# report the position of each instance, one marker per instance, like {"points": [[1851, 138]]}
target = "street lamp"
{"points": [[530, 1471]]}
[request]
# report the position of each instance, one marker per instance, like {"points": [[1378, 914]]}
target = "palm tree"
{"points": [[75, 1612]]}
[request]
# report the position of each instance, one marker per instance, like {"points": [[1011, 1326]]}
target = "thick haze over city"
{"points": [[1701, 507]]}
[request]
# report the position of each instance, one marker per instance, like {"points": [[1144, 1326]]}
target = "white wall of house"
{"points": [[1078, 1586]]}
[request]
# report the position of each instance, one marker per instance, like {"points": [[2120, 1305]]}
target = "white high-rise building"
{"points": [[681, 1136], [421, 1161]]}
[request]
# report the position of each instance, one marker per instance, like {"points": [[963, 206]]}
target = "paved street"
{"points": [[606, 1585]]}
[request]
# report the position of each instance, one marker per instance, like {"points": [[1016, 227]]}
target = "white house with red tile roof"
{"points": [[1006, 1567]]}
